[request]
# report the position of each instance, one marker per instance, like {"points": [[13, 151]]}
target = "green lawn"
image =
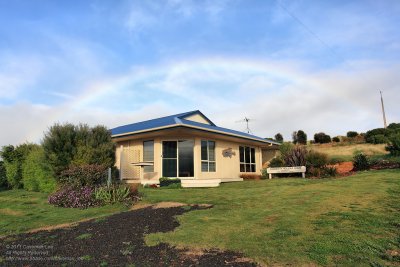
{"points": [[348, 221], [21, 210]]}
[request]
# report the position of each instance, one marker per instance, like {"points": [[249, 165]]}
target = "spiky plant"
{"points": [[296, 157]]}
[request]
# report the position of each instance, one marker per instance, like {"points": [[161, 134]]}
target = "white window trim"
{"points": [[244, 158], [208, 156]]}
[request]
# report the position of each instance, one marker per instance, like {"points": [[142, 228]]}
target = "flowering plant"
{"points": [[74, 197]]}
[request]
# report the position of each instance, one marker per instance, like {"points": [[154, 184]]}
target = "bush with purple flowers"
{"points": [[74, 197], [83, 175]]}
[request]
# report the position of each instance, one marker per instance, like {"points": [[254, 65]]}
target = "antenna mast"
{"points": [[247, 120], [383, 111]]}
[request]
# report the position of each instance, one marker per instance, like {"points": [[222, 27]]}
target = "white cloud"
{"points": [[18, 73], [138, 20], [280, 97]]}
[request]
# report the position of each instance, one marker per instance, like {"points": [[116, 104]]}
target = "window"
{"points": [[148, 155], [247, 159], [207, 156]]}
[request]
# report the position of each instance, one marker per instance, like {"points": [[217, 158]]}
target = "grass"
{"points": [[345, 152], [21, 211], [347, 221], [84, 236]]}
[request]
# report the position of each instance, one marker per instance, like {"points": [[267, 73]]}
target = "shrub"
{"points": [[380, 135], [296, 156], [386, 163], [264, 174], [113, 194], [394, 145], [276, 162], [335, 160], [336, 139], [351, 134], [361, 162], [322, 138], [3, 175], [168, 181], [329, 171], [37, 174], [316, 159], [72, 197], [150, 186], [249, 176], [13, 160], [174, 186], [379, 139], [285, 148], [84, 175], [394, 126]]}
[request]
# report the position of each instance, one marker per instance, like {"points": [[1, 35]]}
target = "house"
{"points": [[188, 146]]}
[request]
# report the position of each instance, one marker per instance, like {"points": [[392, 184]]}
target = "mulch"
{"points": [[117, 240]]}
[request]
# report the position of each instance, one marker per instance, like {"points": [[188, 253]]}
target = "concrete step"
{"points": [[144, 182], [186, 183], [131, 181], [228, 180]]}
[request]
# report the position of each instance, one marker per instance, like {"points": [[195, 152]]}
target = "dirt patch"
{"points": [[344, 167], [163, 205], [117, 240], [11, 212], [271, 219], [60, 226], [393, 253], [166, 205]]}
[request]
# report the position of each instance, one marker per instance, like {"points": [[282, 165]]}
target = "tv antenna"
{"points": [[246, 120], [383, 110]]}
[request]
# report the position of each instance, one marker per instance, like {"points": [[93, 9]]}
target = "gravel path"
{"points": [[117, 240]]}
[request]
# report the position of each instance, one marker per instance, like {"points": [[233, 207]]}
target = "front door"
{"points": [[177, 158]]}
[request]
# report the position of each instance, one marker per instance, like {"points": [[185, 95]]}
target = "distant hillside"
{"points": [[345, 152]]}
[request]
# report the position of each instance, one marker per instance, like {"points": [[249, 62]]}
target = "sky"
{"points": [[314, 65]]}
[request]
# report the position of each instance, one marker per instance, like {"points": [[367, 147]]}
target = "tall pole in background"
{"points": [[383, 111]]}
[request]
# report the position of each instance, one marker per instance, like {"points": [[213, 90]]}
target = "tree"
{"points": [[279, 137], [393, 145], [394, 126], [3, 175], [37, 173], [351, 134], [294, 137], [78, 145], [336, 139], [299, 137], [60, 146], [322, 138], [14, 158]]}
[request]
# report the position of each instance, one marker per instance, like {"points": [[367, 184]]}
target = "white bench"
{"points": [[298, 169]]}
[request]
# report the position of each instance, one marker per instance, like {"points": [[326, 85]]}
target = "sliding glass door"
{"points": [[178, 158], [170, 158]]}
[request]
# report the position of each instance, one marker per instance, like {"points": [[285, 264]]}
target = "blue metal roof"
{"points": [[179, 120]]}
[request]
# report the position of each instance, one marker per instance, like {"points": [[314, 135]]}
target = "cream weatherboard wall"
{"points": [[226, 167], [197, 118]]}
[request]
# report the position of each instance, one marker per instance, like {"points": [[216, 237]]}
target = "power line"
{"points": [[299, 21], [308, 29]]}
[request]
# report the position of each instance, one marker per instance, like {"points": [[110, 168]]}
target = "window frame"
{"points": [[249, 161], [207, 161], [148, 169]]}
